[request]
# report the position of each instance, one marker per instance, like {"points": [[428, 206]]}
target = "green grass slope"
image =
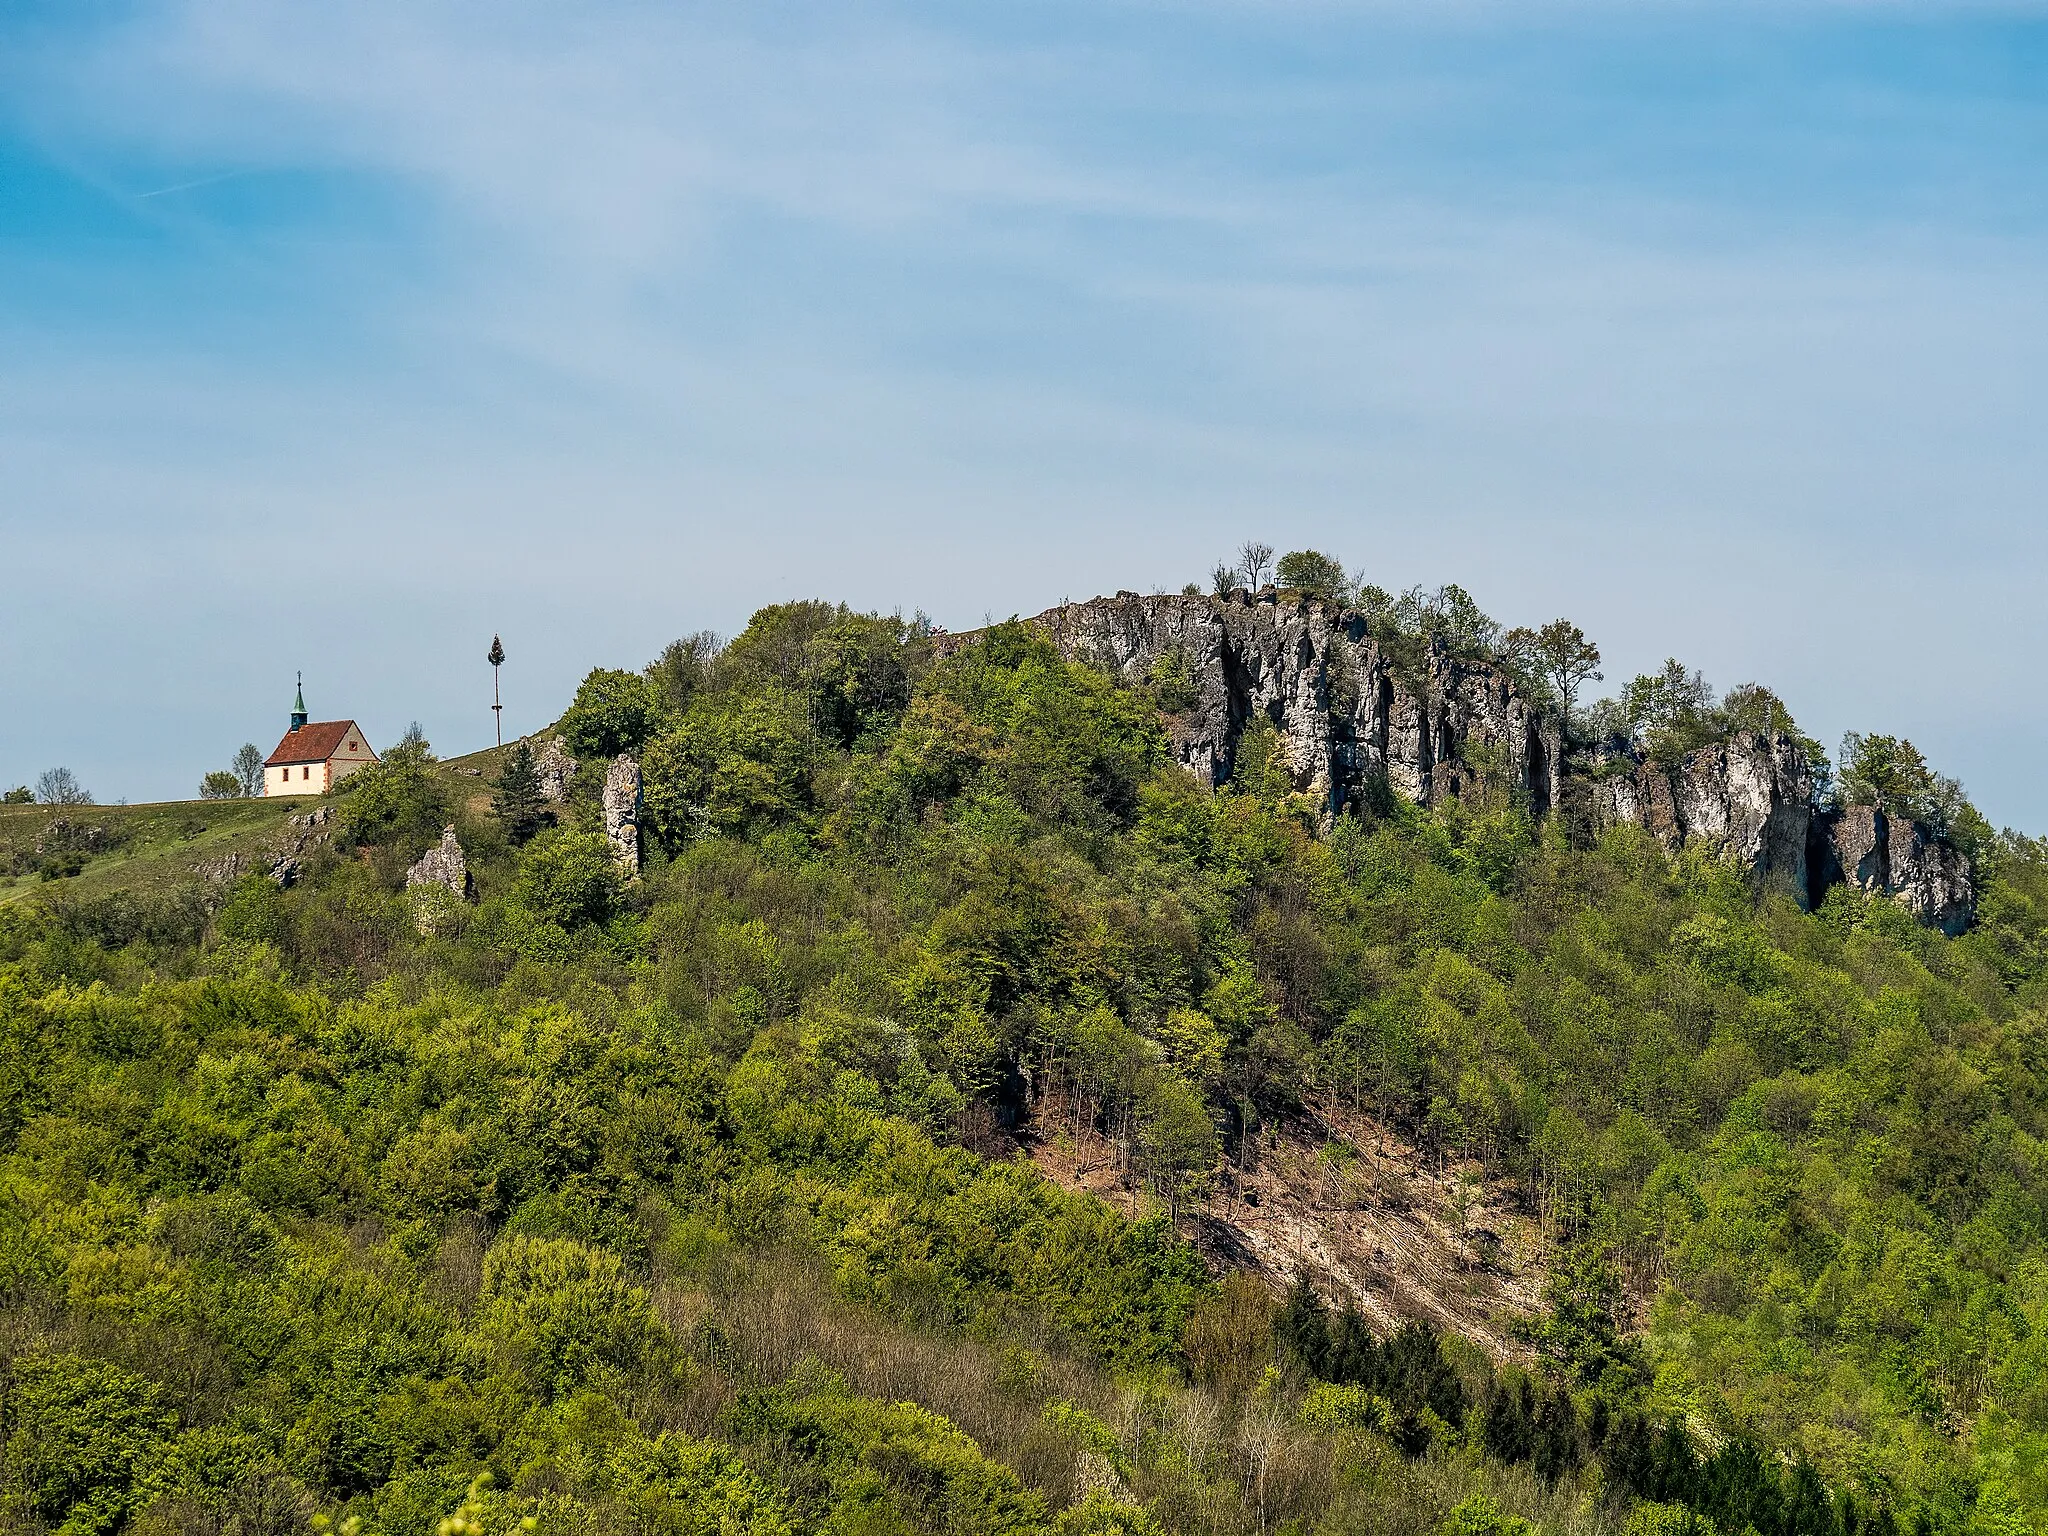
{"points": [[138, 848]]}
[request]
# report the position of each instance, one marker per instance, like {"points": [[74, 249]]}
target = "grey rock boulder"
{"points": [[221, 872], [438, 883], [622, 812], [556, 768], [301, 832], [66, 836], [444, 865]]}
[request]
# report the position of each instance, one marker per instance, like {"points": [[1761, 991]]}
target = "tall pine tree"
{"points": [[517, 800]]}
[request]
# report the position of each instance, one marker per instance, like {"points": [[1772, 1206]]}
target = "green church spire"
{"points": [[299, 704]]}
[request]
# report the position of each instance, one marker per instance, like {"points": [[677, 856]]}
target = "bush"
{"points": [[85, 1436], [730, 767], [221, 784], [1480, 1516], [1075, 747], [902, 1467], [855, 675], [1313, 574], [1101, 1515], [570, 879], [1667, 1520], [397, 801], [561, 1313], [253, 913], [1330, 1406], [774, 650]]}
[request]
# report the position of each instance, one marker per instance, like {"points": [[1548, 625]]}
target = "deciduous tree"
{"points": [[1254, 558], [59, 786], [248, 768], [1312, 573], [612, 712], [1561, 655]]}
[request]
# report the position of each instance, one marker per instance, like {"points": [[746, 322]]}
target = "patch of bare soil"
{"points": [[1340, 1199]]}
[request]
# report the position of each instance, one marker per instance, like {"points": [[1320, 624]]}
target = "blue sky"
{"points": [[339, 338]]}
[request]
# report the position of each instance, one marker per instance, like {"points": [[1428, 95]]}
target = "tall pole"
{"points": [[496, 657]]}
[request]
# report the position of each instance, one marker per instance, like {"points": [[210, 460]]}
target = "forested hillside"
{"points": [[691, 1201]]}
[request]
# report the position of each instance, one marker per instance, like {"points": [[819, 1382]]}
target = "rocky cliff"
{"points": [[1860, 845], [1351, 714], [1750, 799], [1354, 714]]}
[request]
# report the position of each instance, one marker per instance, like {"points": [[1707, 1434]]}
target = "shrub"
{"points": [[856, 678], [1313, 574], [1332, 1406], [396, 801], [570, 879], [253, 913], [84, 1436], [729, 767], [562, 1314], [1229, 1336], [774, 650], [1101, 1515], [1480, 1516], [899, 1465], [1667, 1520]]}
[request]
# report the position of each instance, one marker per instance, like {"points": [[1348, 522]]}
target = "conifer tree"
{"points": [[517, 800]]}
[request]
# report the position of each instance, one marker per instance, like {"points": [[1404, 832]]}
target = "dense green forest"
{"points": [[686, 1203]]}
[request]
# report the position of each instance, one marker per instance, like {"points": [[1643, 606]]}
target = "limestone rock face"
{"points": [[1860, 845], [1349, 714], [1749, 799], [288, 857], [555, 767], [221, 872], [440, 880], [445, 865], [622, 812]]}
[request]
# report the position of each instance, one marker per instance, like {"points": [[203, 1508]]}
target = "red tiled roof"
{"points": [[314, 742]]}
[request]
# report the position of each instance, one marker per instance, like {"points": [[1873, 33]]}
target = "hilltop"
{"points": [[1267, 1059]]}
